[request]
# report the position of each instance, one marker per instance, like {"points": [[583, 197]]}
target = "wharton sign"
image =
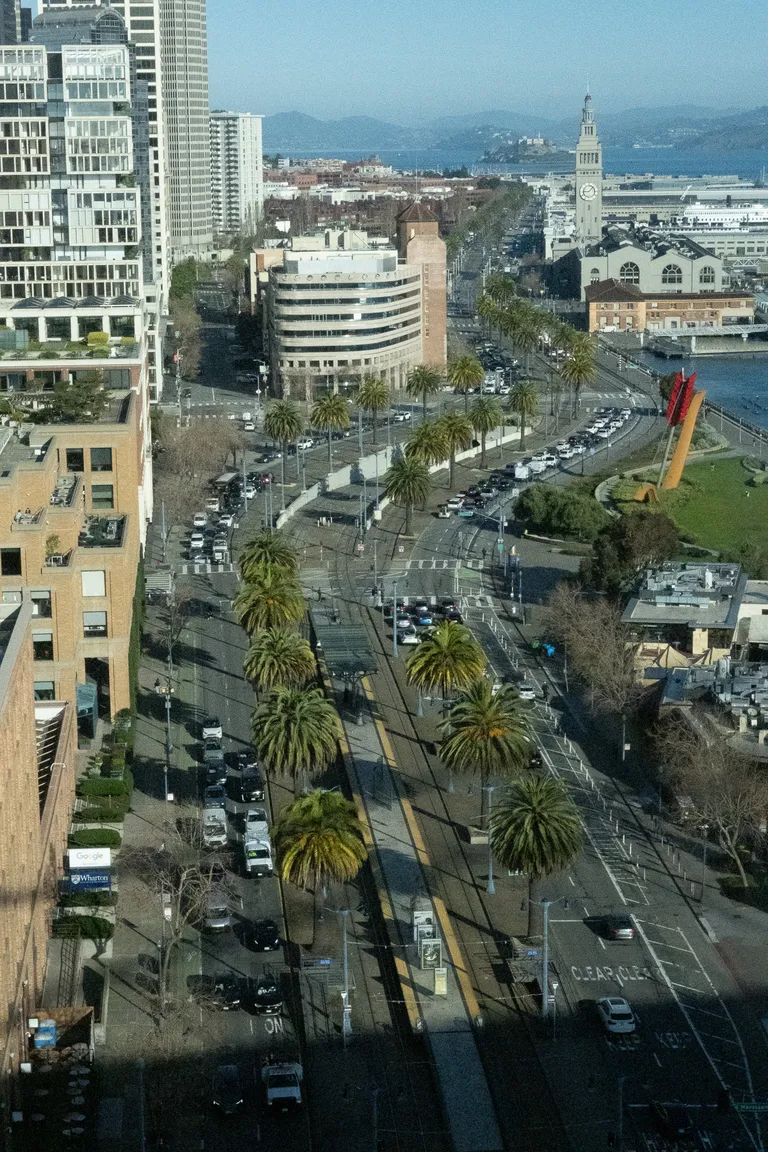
{"points": [[89, 879]]}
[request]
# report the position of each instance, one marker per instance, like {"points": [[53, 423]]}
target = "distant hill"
{"points": [[729, 133], [294, 131]]}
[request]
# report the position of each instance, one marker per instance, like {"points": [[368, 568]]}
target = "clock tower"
{"points": [[589, 180]]}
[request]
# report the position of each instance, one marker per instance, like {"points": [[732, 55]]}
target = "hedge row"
{"points": [[88, 899], [89, 927], [100, 816], [95, 838]]}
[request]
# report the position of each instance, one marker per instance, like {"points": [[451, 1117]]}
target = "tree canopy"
{"points": [[626, 546], [561, 512]]}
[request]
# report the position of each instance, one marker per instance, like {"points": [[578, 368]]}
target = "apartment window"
{"points": [[42, 645], [94, 583], [10, 561], [11, 596], [42, 604], [94, 623], [75, 460], [672, 274], [594, 276], [44, 690], [101, 459], [102, 495]]}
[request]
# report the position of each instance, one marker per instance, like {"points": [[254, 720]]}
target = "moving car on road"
{"points": [[227, 1089], [618, 927], [220, 992], [262, 936], [266, 995], [616, 1015], [212, 728]]}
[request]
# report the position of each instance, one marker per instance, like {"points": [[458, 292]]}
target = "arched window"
{"points": [[629, 273], [594, 276], [707, 275], [672, 274]]}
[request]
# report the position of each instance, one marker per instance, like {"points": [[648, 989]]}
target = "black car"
{"points": [[265, 994], [262, 936], [216, 773], [227, 1089], [220, 992], [246, 789]]}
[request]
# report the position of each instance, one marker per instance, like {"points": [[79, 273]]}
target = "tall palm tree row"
{"points": [[407, 482], [270, 598], [279, 658], [373, 397], [485, 414], [267, 549], [284, 425], [423, 381], [486, 733], [464, 374], [447, 661], [427, 443], [319, 840], [457, 434], [330, 414], [524, 402], [295, 732], [579, 368]]}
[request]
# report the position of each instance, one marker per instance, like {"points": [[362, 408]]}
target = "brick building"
{"points": [[39, 740], [614, 306], [419, 242]]}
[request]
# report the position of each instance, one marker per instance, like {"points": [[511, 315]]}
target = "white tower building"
{"points": [[589, 180], [237, 182]]}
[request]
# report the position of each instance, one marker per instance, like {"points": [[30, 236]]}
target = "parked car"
{"points": [[443, 512], [616, 1015], [217, 915], [227, 1089], [226, 519], [212, 728], [262, 936], [454, 503], [304, 442], [400, 416], [220, 992], [199, 520]]}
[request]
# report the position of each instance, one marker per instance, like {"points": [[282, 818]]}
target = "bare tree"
{"points": [[178, 497], [182, 874], [724, 790], [597, 646]]}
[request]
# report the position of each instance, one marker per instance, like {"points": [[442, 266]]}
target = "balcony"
{"points": [[59, 559], [60, 350], [102, 532], [65, 491]]}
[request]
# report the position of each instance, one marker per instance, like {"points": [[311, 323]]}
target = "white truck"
{"points": [[522, 472], [214, 828], [282, 1085], [257, 849]]}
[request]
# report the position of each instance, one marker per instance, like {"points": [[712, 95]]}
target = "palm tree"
{"points": [[319, 840], [489, 311], [527, 335], [407, 483], [464, 374], [271, 598], [269, 549], [427, 443], [279, 658], [330, 414], [457, 433], [283, 424], [423, 381], [448, 661], [487, 733], [485, 415], [524, 402], [580, 367], [295, 732], [372, 397], [500, 288], [537, 829]]}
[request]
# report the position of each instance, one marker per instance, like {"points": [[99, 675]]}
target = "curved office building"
{"points": [[336, 315]]}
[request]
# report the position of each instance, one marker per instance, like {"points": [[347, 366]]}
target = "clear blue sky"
{"points": [[407, 60]]}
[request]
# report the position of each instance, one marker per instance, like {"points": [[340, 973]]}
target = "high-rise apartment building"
{"points": [[10, 21], [184, 42], [237, 181], [141, 19]]}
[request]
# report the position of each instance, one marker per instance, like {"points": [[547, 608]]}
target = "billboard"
{"points": [[90, 857], [89, 880]]}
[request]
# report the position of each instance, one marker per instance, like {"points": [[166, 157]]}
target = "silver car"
{"points": [[217, 915]]}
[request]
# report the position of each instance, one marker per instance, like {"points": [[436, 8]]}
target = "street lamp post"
{"points": [[545, 903], [346, 1023], [490, 887], [704, 829], [394, 619]]}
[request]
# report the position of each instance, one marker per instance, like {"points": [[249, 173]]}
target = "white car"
{"points": [[443, 512], [408, 637], [212, 504], [526, 691], [305, 442], [616, 1015], [196, 541], [249, 426], [401, 417], [212, 728], [226, 519], [250, 491], [199, 520], [454, 503], [256, 824], [603, 433]]}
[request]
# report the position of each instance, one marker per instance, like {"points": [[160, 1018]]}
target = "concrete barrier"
{"points": [[296, 505]]}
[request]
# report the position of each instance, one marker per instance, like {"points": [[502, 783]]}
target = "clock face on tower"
{"points": [[588, 191]]}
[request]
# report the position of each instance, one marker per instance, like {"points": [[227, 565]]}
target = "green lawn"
{"points": [[717, 508]]}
